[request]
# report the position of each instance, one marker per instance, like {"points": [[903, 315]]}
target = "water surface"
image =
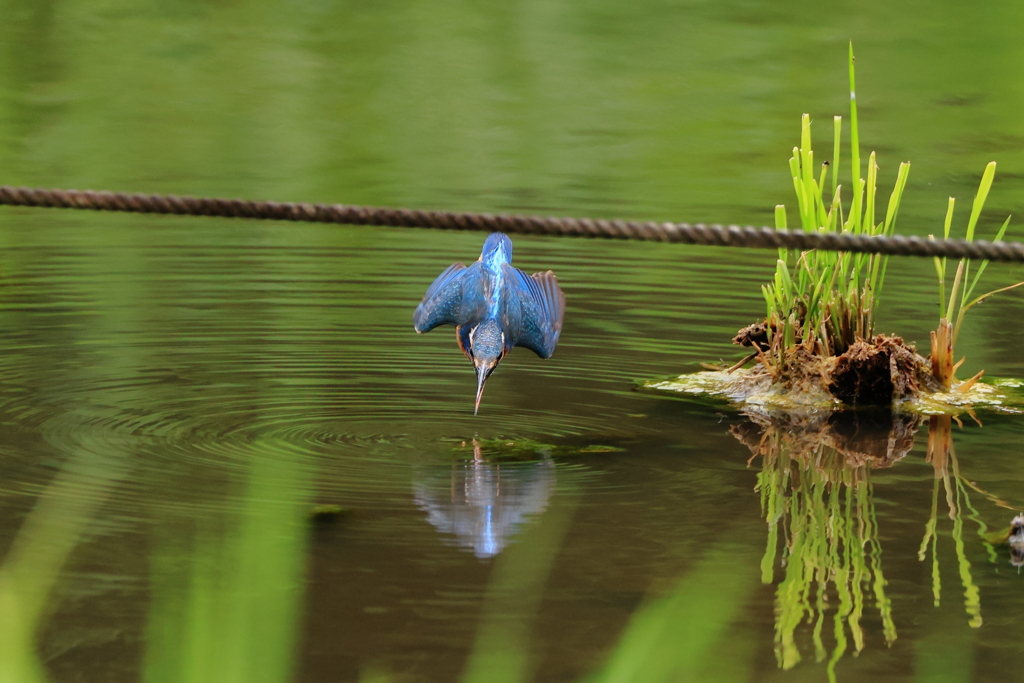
{"points": [[179, 397]]}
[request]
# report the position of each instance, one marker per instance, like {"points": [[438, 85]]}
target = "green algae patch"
{"points": [[742, 388], [599, 448], [527, 449], [752, 389], [1002, 395]]}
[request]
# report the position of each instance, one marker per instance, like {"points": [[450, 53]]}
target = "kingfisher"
{"points": [[494, 307]]}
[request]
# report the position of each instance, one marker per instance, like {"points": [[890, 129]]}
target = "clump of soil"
{"points": [[873, 372], [878, 372], [755, 336]]}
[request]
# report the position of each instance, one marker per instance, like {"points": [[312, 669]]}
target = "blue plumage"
{"points": [[494, 307]]}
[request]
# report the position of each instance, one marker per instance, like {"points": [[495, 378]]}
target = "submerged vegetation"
{"points": [[817, 345]]}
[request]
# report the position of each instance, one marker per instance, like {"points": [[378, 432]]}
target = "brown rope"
{"points": [[684, 233]]}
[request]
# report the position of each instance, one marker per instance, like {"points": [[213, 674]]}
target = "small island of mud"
{"points": [[884, 371], [816, 348]]}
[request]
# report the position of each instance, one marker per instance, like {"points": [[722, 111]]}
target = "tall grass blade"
{"points": [[837, 133], [780, 224], [868, 225], [984, 264], [979, 199], [854, 134]]}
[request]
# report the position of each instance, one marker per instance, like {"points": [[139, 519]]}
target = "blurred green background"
{"points": [[178, 395]]}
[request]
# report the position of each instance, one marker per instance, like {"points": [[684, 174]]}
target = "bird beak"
{"points": [[483, 371]]}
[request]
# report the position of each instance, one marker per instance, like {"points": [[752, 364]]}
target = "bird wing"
{"points": [[450, 299], [541, 308]]}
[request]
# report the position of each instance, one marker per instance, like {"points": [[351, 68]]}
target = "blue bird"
{"points": [[494, 307]]}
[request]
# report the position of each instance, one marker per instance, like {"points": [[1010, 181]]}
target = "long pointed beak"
{"points": [[482, 373]]}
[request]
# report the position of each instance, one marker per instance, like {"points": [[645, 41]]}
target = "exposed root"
{"points": [[965, 386], [744, 361]]}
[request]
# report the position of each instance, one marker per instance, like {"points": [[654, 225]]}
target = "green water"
{"points": [[177, 396]]}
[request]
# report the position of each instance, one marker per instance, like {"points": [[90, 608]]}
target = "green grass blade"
{"points": [[835, 213], [807, 176], [856, 206], [868, 223], [785, 282], [854, 133], [942, 262], [769, 299], [979, 199], [780, 216], [949, 219], [954, 290], [837, 134], [800, 187], [1002, 231], [940, 273], [984, 264], [780, 224], [894, 199], [988, 294]]}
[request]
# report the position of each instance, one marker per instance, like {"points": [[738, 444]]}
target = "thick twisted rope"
{"points": [[682, 233]]}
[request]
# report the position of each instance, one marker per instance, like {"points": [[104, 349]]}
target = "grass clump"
{"points": [[817, 347], [824, 301], [819, 329], [959, 301], [818, 337]]}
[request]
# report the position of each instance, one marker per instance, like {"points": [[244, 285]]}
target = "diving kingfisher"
{"points": [[494, 307]]}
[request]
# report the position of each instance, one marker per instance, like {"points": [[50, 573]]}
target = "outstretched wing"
{"points": [[442, 303], [541, 310], [450, 300]]}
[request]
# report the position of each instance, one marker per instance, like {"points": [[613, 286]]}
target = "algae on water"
{"points": [[755, 393]]}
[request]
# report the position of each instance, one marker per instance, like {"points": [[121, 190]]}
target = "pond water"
{"points": [[226, 455]]}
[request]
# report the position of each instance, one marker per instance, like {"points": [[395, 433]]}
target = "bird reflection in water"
{"points": [[484, 504]]}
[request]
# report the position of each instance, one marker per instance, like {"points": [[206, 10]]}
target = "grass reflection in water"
{"points": [[817, 499], [947, 472], [816, 493]]}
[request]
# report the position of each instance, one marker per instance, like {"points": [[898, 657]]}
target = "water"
{"points": [[180, 396]]}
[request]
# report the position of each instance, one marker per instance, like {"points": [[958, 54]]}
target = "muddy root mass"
{"points": [[873, 372], [877, 372]]}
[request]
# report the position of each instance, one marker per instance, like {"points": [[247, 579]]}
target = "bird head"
{"points": [[486, 348], [497, 249]]}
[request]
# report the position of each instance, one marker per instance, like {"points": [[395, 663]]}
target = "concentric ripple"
{"points": [[195, 353]]}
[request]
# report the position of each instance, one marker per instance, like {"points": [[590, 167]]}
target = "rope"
{"points": [[681, 233]]}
